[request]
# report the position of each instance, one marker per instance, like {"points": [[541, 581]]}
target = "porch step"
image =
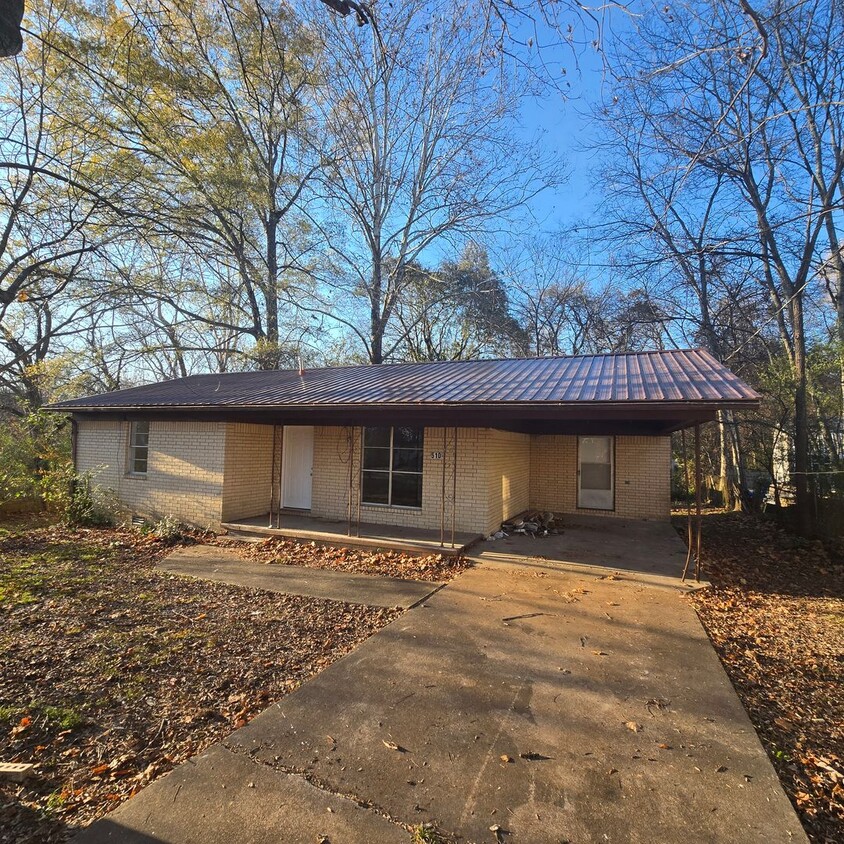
{"points": [[255, 533]]}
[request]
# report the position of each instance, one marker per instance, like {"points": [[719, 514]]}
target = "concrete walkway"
{"points": [[209, 562], [555, 706]]}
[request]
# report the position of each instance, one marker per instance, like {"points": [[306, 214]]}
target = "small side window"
{"points": [[139, 448]]}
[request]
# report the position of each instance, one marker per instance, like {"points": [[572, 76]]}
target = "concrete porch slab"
{"points": [[208, 562], [643, 551], [331, 532]]}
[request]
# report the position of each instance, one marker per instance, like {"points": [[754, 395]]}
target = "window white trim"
{"points": [[137, 459]]}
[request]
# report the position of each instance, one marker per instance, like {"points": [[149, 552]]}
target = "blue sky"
{"points": [[566, 128], [563, 120]]}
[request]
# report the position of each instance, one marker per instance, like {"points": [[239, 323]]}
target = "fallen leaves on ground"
{"points": [[775, 613], [114, 672], [289, 552]]}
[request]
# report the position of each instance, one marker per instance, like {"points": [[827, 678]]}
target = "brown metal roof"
{"points": [[661, 377]]}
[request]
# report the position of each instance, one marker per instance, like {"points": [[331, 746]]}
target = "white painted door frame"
{"points": [[297, 466], [596, 473]]}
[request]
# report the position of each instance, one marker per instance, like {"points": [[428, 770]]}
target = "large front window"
{"points": [[392, 466]]}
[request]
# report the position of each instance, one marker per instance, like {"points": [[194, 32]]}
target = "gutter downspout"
{"points": [[74, 443]]}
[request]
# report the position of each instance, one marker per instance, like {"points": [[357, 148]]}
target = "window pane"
{"points": [[139, 464], [376, 437], [407, 437], [141, 440], [142, 427], [595, 449], [407, 460], [376, 458], [595, 476], [407, 490], [375, 487]]}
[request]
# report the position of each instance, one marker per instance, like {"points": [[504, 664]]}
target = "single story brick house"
{"points": [[437, 447]]}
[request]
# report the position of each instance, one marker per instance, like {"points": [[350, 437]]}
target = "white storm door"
{"points": [[595, 472], [297, 466]]}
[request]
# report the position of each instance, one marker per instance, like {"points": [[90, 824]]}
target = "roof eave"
{"points": [[339, 407]]}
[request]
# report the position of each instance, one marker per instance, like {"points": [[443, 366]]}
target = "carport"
{"points": [[619, 549]]}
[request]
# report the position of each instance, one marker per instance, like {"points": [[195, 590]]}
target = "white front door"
{"points": [[297, 466], [595, 472]]}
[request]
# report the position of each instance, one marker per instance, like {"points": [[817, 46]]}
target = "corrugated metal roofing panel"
{"points": [[690, 375]]}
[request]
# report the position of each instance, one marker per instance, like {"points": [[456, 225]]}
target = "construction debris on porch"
{"points": [[531, 523]]}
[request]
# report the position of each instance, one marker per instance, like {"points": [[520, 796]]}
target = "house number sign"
{"points": [[436, 455]]}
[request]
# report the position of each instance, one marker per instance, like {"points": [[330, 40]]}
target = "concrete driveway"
{"points": [[520, 703]]}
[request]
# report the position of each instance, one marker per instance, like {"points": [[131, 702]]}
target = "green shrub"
{"points": [[31, 448], [73, 496], [169, 529]]}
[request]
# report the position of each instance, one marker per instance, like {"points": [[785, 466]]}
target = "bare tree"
{"points": [[738, 107], [49, 237], [423, 155], [208, 108]]}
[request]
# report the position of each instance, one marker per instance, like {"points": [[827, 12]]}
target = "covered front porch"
{"points": [[310, 528]]}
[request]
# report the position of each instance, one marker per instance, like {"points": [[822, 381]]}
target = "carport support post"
{"points": [[698, 483], [690, 534], [453, 486], [359, 474], [350, 438], [442, 496], [272, 479]]}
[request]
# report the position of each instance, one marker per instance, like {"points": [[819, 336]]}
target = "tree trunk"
{"points": [[376, 322], [271, 358], [839, 320], [803, 498], [728, 481]]}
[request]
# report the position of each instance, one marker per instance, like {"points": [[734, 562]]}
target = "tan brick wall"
{"points": [[203, 472], [185, 469], [642, 476], [331, 481], [100, 447], [248, 470], [507, 476]]}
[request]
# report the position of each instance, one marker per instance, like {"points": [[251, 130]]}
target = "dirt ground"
{"points": [[288, 552], [775, 614], [114, 673]]}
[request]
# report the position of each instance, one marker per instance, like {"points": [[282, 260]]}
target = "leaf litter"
{"points": [[115, 672], [775, 614], [289, 552]]}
